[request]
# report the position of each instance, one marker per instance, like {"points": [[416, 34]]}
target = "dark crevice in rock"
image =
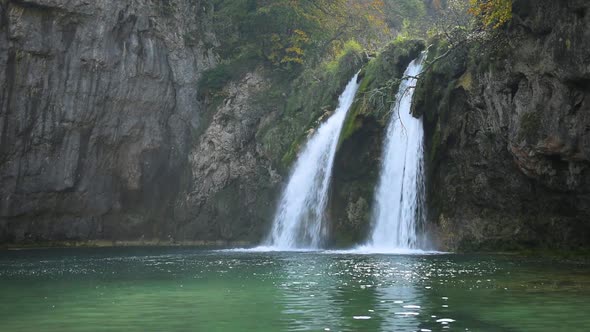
{"points": [[581, 13], [7, 87], [32, 5], [579, 83], [514, 84]]}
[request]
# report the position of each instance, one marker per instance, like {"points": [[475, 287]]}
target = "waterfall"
{"points": [[398, 210], [298, 221]]}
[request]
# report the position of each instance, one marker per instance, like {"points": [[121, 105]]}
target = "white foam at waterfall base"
{"points": [[398, 211], [298, 223], [270, 249], [362, 250], [370, 250]]}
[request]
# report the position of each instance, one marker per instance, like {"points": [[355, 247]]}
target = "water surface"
{"points": [[176, 289]]}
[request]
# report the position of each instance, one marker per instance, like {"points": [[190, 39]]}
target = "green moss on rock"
{"points": [[380, 80], [313, 93]]}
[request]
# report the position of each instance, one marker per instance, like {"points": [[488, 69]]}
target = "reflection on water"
{"points": [[194, 290], [306, 293], [399, 315]]}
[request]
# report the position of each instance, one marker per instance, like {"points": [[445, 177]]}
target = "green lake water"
{"points": [[180, 289]]}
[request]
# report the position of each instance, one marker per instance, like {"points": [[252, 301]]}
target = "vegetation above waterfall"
{"points": [[291, 36], [308, 49]]}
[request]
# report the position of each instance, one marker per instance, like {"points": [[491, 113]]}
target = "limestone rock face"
{"points": [[104, 134], [233, 190], [98, 102], [508, 138]]}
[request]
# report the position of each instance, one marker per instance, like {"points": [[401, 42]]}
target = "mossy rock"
{"points": [[300, 103], [383, 74]]}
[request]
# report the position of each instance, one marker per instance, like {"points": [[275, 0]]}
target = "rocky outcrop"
{"points": [[233, 191], [98, 109], [508, 134]]}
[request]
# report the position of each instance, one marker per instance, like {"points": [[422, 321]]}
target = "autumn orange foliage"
{"points": [[493, 13]]}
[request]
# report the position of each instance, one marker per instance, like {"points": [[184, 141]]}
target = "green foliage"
{"points": [[287, 33], [213, 80], [492, 13], [289, 51], [308, 49], [361, 105], [350, 51], [408, 17], [313, 93], [463, 23]]}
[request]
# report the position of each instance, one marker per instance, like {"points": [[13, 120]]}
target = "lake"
{"points": [[190, 289]]}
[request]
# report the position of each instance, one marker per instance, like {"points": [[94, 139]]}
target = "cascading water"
{"points": [[298, 222], [398, 210]]}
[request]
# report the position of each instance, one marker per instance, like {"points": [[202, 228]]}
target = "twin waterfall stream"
{"points": [[398, 212]]}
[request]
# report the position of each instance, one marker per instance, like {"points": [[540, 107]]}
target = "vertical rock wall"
{"points": [[508, 134], [98, 101]]}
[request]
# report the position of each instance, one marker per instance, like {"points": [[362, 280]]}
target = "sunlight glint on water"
{"points": [[176, 289]]}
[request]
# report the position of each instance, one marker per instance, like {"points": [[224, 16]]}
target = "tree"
{"points": [[288, 33], [289, 50], [492, 13], [464, 22], [407, 16], [461, 23]]}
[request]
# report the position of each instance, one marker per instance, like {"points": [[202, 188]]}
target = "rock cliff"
{"points": [[234, 185], [98, 107], [508, 134], [106, 135]]}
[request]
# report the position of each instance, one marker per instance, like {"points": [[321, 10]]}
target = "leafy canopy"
{"points": [[493, 13], [287, 33]]}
